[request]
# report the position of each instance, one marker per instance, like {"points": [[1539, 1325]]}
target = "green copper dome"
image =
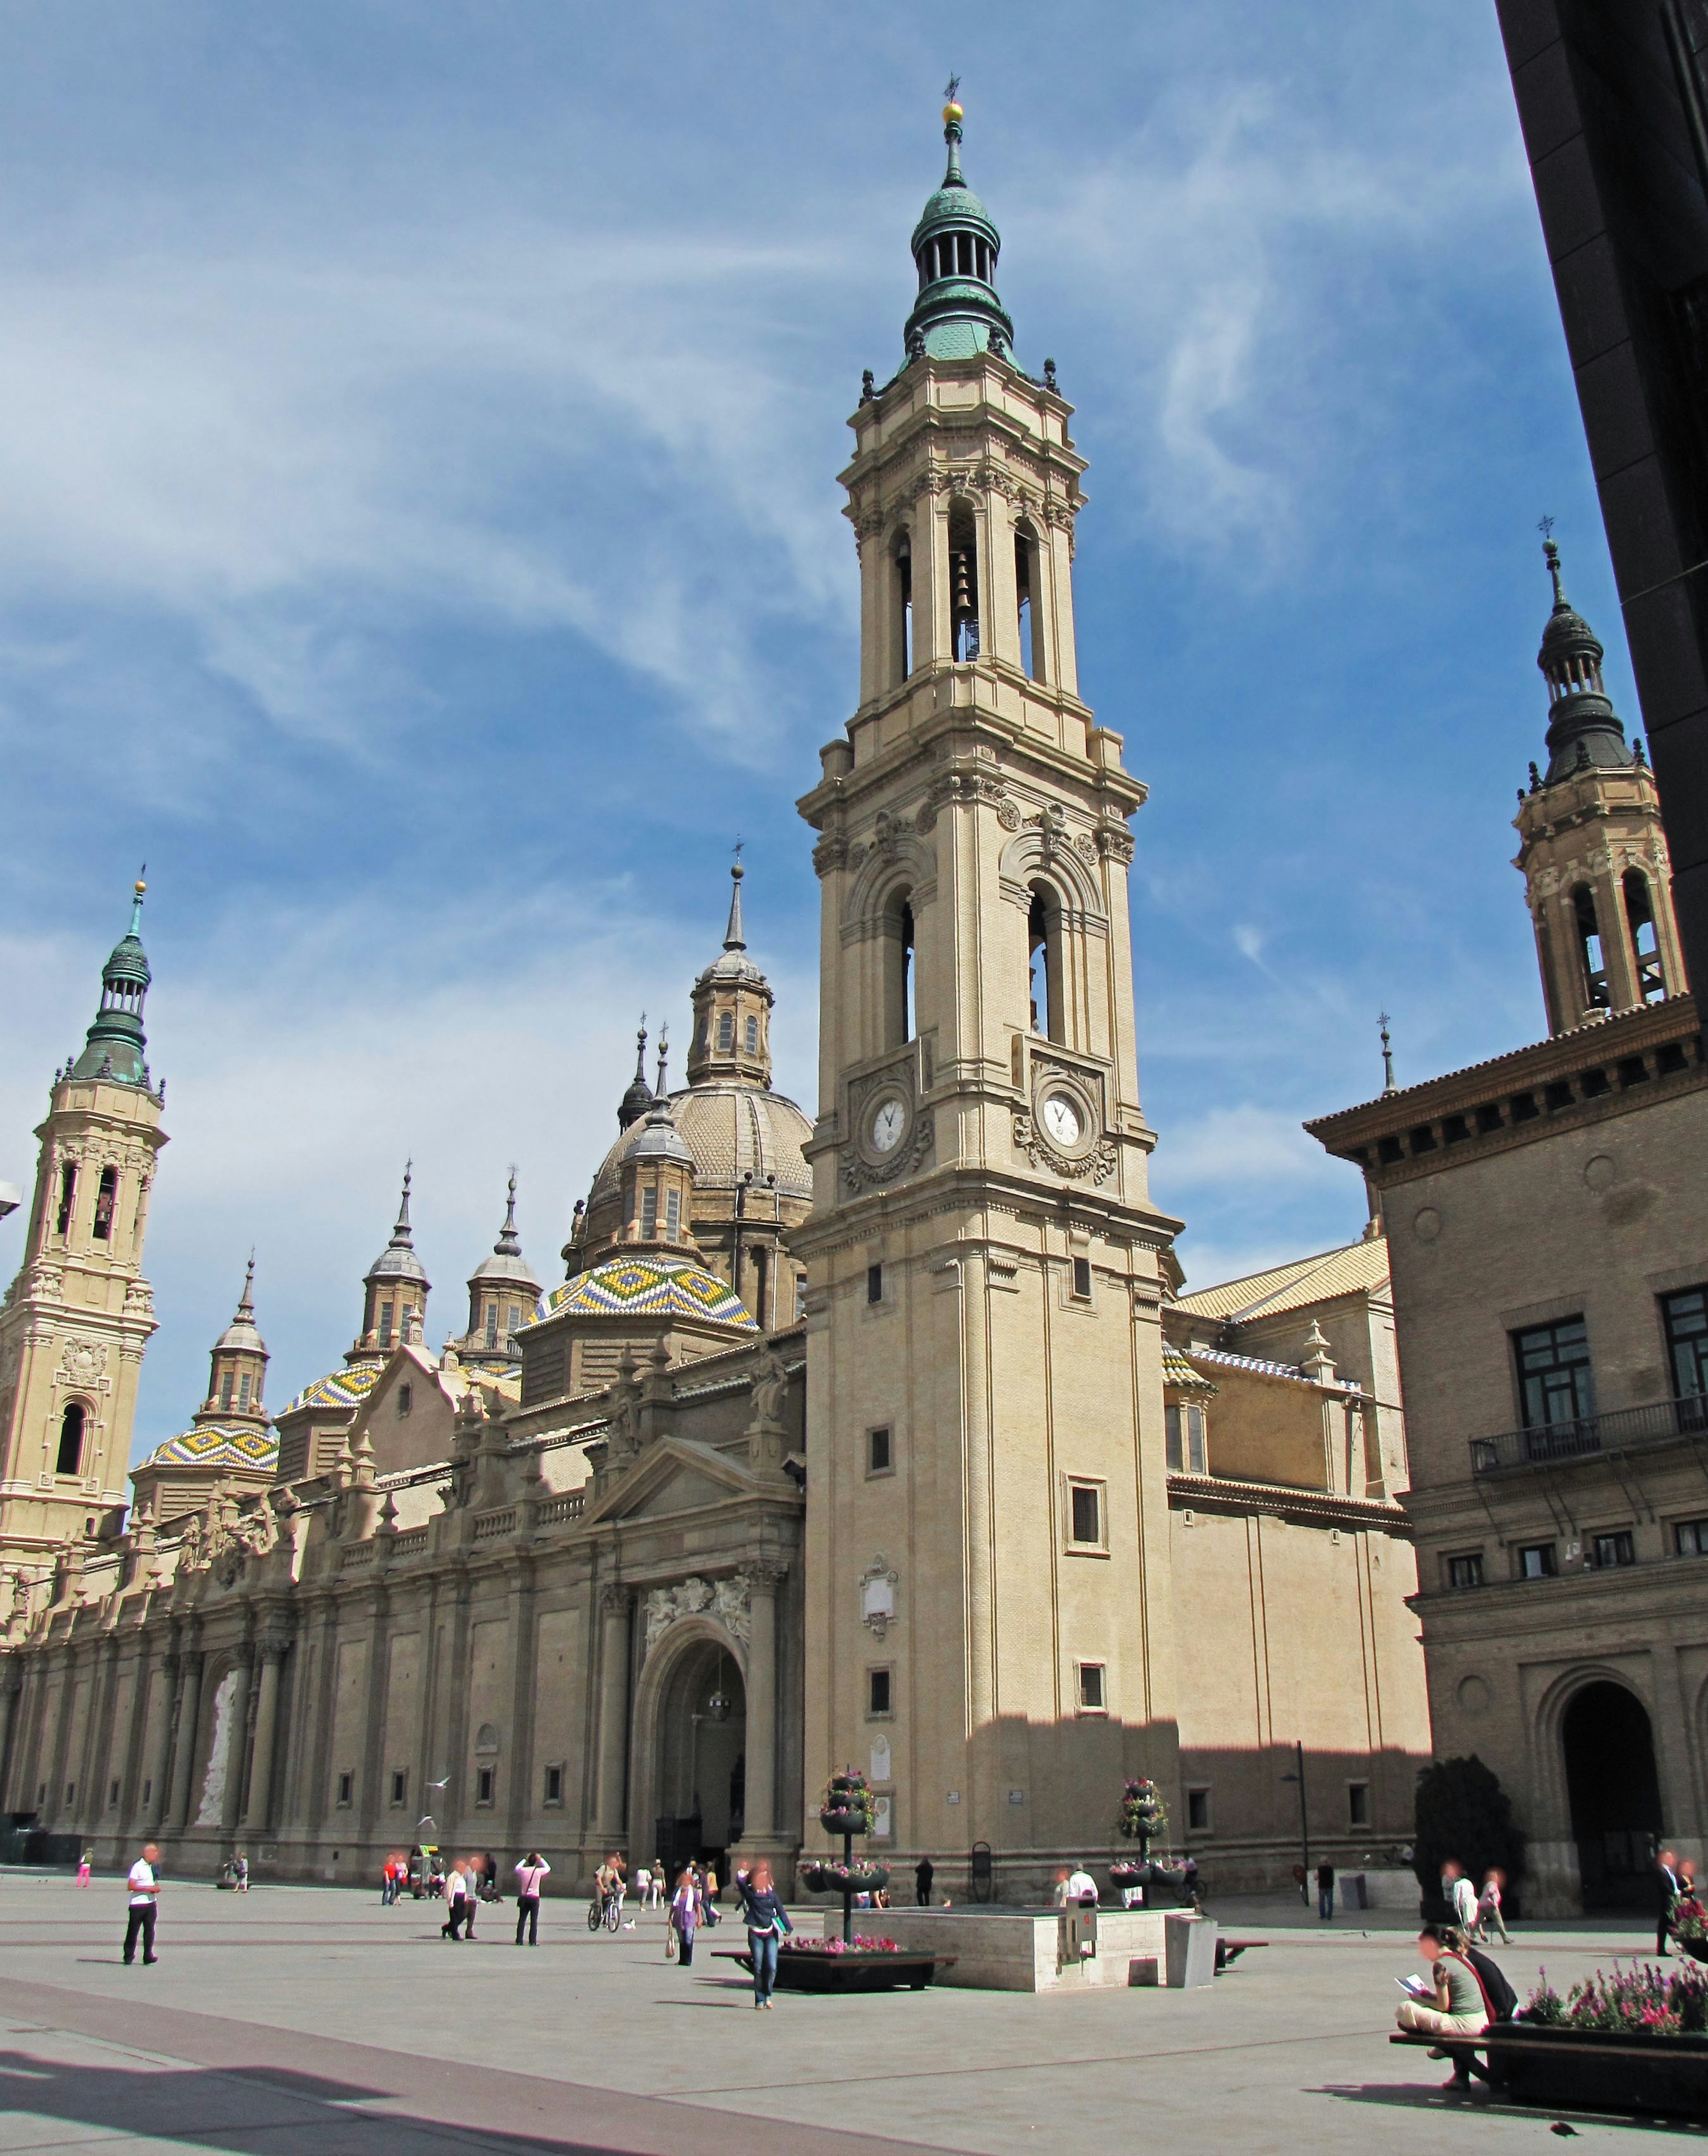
{"points": [[956, 245], [116, 1041]]}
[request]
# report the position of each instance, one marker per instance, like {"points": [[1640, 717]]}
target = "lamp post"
{"points": [[1297, 1776]]}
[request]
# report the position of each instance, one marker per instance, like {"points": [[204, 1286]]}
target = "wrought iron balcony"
{"points": [[1581, 1437]]}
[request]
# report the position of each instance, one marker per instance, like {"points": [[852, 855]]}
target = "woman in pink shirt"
{"points": [[531, 1876]]}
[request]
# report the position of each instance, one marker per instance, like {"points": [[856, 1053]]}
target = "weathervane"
{"points": [[1388, 1085], [954, 85], [1544, 525]]}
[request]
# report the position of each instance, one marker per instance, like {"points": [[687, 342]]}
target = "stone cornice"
{"points": [[1212, 1493]]}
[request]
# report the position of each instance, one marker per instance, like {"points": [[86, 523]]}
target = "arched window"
{"points": [[1595, 976], [1026, 592], [70, 1454], [673, 1213], [243, 1393], [903, 610], [1043, 941], [1639, 918], [491, 1325], [105, 1198], [898, 970], [963, 581], [228, 1386], [752, 1036], [726, 1032], [68, 1198]]}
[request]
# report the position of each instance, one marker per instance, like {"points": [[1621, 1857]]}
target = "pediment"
{"points": [[673, 1475]]}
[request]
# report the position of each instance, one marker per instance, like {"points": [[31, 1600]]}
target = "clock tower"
{"points": [[989, 1625]]}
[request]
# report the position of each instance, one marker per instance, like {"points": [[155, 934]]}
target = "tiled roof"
{"points": [[218, 1445], [1354, 1267], [730, 1129], [648, 1288], [1255, 1364], [339, 1389], [1178, 1372]]}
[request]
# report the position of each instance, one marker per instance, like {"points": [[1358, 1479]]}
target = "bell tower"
{"points": [[989, 1621], [1590, 845], [76, 1319]]}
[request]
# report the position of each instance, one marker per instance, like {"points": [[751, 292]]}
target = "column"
{"points": [[159, 1739], [232, 1793], [764, 1579], [184, 1757], [614, 1709], [273, 1646], [11, 1685]]}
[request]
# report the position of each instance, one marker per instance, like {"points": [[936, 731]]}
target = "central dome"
{"points": [[732, 1131]]}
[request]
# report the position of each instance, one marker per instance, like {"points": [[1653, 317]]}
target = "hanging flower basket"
{"points": [[838, 1878], [848, 1806], [1142, 1818]]}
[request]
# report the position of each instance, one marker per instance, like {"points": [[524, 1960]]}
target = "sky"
{"points": [[420, 543]]}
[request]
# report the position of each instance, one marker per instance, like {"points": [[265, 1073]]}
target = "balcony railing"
{"points": [[1582, 1436]]}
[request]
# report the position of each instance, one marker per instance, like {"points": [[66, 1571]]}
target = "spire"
{"points": [[659, 1091], [116, 1040], [509, 1244], [1387, 1084], [955, 243], [399, 1260], [733, 939], [402, 1239], [639, 1098], [1582, 727], [246, 1300]]}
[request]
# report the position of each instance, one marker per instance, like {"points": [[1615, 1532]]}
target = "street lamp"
{"points": [[1297, 1776]]}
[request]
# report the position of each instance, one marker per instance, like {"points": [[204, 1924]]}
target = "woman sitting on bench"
{"points": [[1459, 2008]]}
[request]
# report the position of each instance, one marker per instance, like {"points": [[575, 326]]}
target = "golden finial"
{"points": [[952, 113]]}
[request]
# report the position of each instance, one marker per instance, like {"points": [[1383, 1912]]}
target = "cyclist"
{"points": [[612, 1887]]}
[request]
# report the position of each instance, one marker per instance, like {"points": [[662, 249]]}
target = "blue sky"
{"points": [[419, 540]]}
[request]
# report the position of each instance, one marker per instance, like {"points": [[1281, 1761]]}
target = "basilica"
{"points": [[885, 1433]]}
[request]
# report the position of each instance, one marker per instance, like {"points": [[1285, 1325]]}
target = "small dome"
{"points": [[507, 1266], [649, 1287], [955, 206], [341, 1388], [657, 1138], [241, 1335], [727, 1130], [218, 1444]]}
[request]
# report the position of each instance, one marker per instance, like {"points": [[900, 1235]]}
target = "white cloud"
{"points": [[1232, 1147]]}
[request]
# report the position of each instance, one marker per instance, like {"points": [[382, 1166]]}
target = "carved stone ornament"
{"points": [[1098, 1162], [830, 853], [84, 1361], [878, 1584], [1114, 842], [865, 1164], [967, 786], [729, 1601]]}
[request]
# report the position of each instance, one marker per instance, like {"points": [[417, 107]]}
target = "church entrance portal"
{"points": [[1615, 1796], [701, 1760]]}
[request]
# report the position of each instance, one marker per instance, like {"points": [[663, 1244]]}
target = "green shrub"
{"points": [[1462, 1811]]}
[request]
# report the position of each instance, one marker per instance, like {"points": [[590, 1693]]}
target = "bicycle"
{"points": [[605, 1909]]}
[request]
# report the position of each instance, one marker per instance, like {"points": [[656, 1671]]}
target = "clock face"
{"points": [[887, 1125], [1062, 1120]]}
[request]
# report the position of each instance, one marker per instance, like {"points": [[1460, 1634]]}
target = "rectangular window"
{"points": [[752, 1036], [1085, 1503], [554, 1785], [243, 1391], [226, 1384], [491, 1325], [880, 1458], [1690, 1537], [1197, 1811], [385, 1324], [483, 1785], [1091, 1699], [406, 1400], [1183, 1432], [649, 1212], [1614, 1549], [70, 1791], [1685, 1316], [1465, 1571], [105, 1198], [673, 1213], [346, 1788], [1082, 1278], [112, 1794], [1553, 1373], [400, 1785], [68, 1199], [1538, 1562], [726, 1032], [1357, 1803], [515, 1324], [875, 1283], [147, 1792], [877, 1694]]}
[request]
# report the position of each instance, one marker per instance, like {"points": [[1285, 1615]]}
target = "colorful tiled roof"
{"points": [[651, 1286], [1356, 1266], [339, 1389], [218, 1444], [1259, 1365], [1178, 1372]]}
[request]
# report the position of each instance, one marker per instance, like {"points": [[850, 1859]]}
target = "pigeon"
{"points": [[1559, 2126]]}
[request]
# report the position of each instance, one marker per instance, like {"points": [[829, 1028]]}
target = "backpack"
{"points": [[1498, 1994]]}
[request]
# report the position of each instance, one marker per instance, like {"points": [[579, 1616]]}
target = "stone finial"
{"points": [[1316, 1361]]}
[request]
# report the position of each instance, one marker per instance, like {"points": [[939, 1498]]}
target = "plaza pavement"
{"points": [[310, 2021]]}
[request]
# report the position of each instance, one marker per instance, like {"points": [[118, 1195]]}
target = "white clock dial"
{"points": [[1061, 1119], [887, 1126]]}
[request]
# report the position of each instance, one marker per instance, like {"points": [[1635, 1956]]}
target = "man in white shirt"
{"points": [[457, 1903], [1081, 1886], [145, 1894]]}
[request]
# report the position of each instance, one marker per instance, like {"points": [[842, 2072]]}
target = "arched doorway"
{"points": [[1614, 1793], [700, 1758]]}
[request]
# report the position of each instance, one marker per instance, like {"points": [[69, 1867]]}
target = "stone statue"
{"points": [[771, 1390]]}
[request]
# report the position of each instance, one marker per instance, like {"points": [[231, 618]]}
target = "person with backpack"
{"points": [[766, 1920]]}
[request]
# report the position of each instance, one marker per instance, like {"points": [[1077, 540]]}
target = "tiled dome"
{"points": [[647, 1287], [341, 1388], [729, 1128], [218, 1444]]}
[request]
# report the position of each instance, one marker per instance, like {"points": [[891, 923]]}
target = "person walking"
{"points": [[84, 1863], [685, 1915], [471, 1898], [145, 1898], [766, 1921], [1459, 1895], [1326, 1891], [531, 1877], [1488, 1906], [456, 1903], [923, 1873], [1669, 1886], [659, 1883]]}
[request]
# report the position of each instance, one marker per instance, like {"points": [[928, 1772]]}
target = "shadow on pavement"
{"points": [[1422, 2096]]}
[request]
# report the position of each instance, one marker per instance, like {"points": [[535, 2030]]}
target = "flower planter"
{"points": [[835, 1878], [1598, 2070], [1697, 1949], [851, 1970], [834, 1822]]}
